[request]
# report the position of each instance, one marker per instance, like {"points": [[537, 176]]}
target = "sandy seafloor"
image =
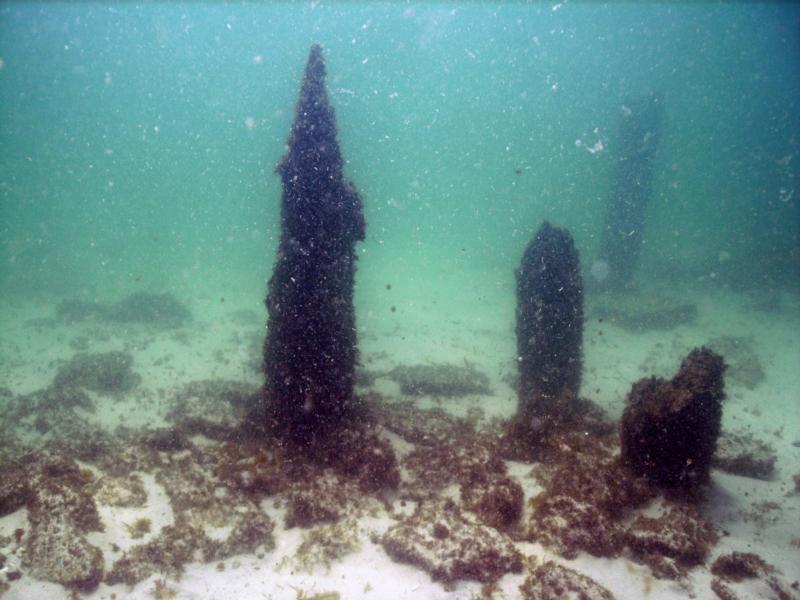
{"points": [[417, 322]]}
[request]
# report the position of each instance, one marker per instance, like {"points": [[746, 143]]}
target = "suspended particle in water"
{"points": [[600, 270]]}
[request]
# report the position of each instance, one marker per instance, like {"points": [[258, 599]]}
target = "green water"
{"points": [[138, 141], [137, 153]]}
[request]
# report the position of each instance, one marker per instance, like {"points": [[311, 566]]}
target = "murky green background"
{"points": [[137, 141]]}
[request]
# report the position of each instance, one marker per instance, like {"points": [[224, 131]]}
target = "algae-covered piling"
{"points": [[549, 325], [310, 349]]}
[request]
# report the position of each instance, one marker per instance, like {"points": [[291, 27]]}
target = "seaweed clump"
{"points": [[60, 512], [738, 566], [669, 429], [120, 491], [310, 349], [168, 552], [497, 500], [199, 499], [47, 413]]}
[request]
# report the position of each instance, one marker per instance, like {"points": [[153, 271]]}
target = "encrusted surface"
{"points": [[587, 494], [549, 324], [212, 407], [497, 500], [732, 569], [669, 428], [61, 512], [120, 491], [167, 553], [672, 543], [568, 526], [447, 544], [324, 499], [552, 581], [469, 512]]}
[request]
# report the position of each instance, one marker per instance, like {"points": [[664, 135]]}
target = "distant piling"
{"points": [[631, 189]]}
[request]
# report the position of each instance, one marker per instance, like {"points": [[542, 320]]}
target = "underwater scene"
{"points": [[342, 300]]}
